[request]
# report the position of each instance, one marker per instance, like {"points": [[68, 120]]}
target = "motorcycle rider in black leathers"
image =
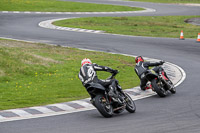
{"points": [[88, 74], [141, 67]]}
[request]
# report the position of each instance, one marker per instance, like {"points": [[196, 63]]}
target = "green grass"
{"points": [[169, 1], [38, 74], [156, 26], [59, 6]]}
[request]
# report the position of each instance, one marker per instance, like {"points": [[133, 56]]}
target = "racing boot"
{"points": [[148, 86], [92, 102]]}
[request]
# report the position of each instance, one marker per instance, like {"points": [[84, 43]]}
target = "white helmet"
{"points": [[86, 61]]}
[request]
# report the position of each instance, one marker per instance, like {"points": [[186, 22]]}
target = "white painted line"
{"points": [[2, 118], [27, 12], [90, 31], [97, 31], [59, 27], [16, 12], [117, 12], [5, 11], [82, 30]]}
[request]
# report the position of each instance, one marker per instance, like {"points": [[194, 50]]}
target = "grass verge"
{"points": [[156, 26], [38, 74], [59, 6], [169, 1]]}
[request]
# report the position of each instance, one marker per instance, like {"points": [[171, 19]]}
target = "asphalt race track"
{"points": [[179, 113]]}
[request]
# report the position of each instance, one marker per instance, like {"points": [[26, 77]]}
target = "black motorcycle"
{"points": [[159, 83], [107, 105]]}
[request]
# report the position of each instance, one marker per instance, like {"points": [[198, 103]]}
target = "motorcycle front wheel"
{"points": [[159, 89], [103, 106], [130, 104], [173, 89]]}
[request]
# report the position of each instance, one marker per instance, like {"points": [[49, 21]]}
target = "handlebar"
{"points": [[162, 61]]}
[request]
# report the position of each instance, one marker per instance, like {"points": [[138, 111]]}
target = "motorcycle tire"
{"points": [[173, 90], [130, 104], [103, 107], [158, 89]]}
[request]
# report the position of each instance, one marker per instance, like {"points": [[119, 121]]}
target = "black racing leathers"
{"points": [[88, 74], [142, 67]]}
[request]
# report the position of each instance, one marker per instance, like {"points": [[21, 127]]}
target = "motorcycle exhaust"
{"points": [[119, 108]]}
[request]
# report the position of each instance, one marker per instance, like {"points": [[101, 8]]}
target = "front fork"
{"points": [[166, 82]]}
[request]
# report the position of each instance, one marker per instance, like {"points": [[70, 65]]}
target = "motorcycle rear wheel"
{"points": [[158, 89], [103, 107]]}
